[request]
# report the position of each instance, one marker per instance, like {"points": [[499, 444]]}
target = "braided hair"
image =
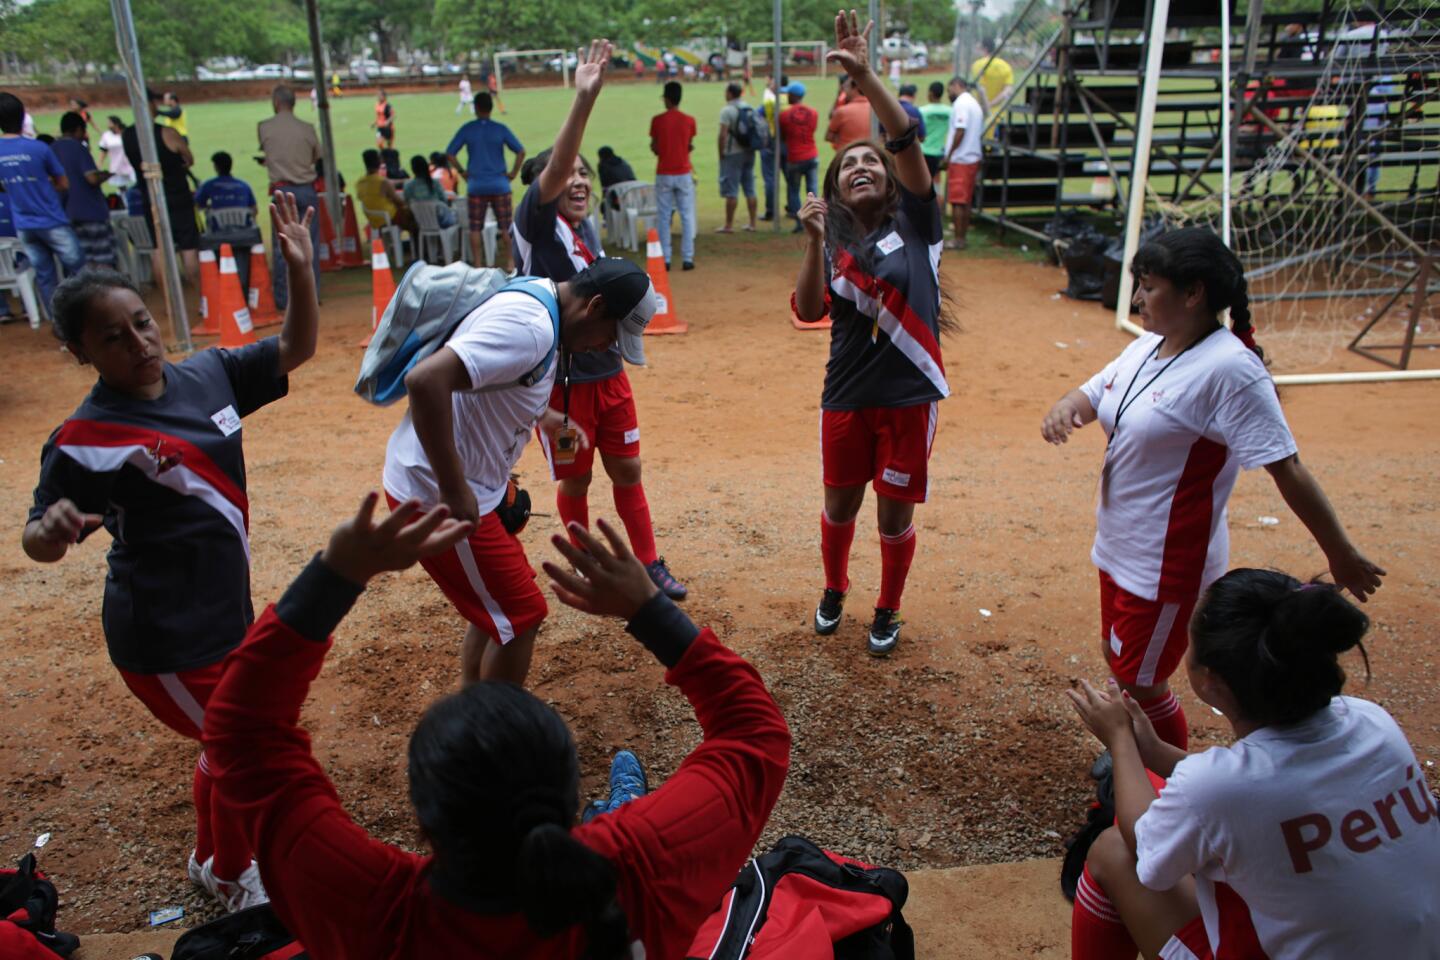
{"points": [[495, 784], [1194, 255]]}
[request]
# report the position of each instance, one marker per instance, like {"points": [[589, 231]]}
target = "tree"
{"points": [[389, 21]]}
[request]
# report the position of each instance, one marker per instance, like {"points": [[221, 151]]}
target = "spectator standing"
{"points": [[850, 120], [224, 191], [171, 114], [613, 168], [7, 229], [802, 157], [487, 179], [936, 115], [175, 163], [423, 188], [84, 203], [290, 152], [907, 103], [737, 160], [384, 121], [122, 175], [81, 107], [993, 74], [492, 86], [672, 138], [963, 150], [378, 195], [33, 178], [467, 96], [770, 109]]}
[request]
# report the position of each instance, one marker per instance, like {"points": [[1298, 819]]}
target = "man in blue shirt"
{"points": [[33, 178], [223, 191], [85, 204], [487, 181]]}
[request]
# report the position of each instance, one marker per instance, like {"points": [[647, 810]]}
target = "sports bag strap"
{"points": [[540, 291]]}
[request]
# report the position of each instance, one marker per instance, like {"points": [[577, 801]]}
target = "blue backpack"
{"points": [[751, 131], [428, 306]]}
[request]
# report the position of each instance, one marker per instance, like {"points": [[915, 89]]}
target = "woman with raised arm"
{"points": [[494, 780], [1197, 405], [871, 262]]}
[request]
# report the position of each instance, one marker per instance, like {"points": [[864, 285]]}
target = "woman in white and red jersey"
{"points": [[1185, 407], [1312, 837], [871, 262]]}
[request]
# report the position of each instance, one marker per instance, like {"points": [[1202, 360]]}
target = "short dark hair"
{"points": [[117, 121], [673, 91], [937, 90], [484, 103], [371, 159], [907, 90], [533, 167], [605, 153], [12, 113], [70, 122], [733, 90], [71, 303], [223, 163]]}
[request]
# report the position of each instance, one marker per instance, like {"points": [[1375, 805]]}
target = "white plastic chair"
{"points": [[228, 218], [141, 244], [390, 234], [614, 216], [489, 235], [637, 205], [432, 236], [124, 252], [20, 280]]}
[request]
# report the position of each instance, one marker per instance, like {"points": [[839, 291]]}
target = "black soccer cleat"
{"points": [[827, 615], [884, 632]]}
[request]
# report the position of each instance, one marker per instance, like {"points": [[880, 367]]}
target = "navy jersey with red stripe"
{"points": [[168, 476], [885, 338], [547, 246]]}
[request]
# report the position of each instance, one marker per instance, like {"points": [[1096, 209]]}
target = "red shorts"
{"points": [[488, 578], [605, 410], [1144, 639], [960, 185], [889, 446], [1190, 942], [177, 699], [502, 203]]}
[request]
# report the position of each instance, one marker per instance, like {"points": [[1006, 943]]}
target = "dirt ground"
{"points": [[957, 750]]}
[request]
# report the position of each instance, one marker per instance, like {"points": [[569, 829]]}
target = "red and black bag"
{"points": [[800, 902], [28, 903], [254, 933]]}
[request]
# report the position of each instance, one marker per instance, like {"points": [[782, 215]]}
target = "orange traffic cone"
{"points": [[350, 242], [209, 294], [261, 299], [329, 246], [822, 324], [230, 311], [384, 284], [666, 320]]}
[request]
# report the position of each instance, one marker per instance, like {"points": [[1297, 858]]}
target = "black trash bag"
{"points": [[1066, 226], [1085, 263]]}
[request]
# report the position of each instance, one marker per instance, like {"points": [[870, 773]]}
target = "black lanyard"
{"points": [[1124, 397]]}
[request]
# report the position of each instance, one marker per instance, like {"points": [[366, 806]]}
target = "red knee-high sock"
{"points": [[202, 790], [573, 510], [1096, 930], [896, 552], [1168, 718], [835, 539], [634, 512], [232, 852]]}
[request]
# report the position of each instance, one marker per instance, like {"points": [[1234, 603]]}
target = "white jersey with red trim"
{"points": [[885, 337], [1314, 841], [1190, 423]]}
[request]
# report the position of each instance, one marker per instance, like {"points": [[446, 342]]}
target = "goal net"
{"points": [[1335, 192], [534, 68]]}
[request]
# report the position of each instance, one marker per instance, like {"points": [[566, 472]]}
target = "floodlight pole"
{"points": [[129, 50], [322, 107], [775, 133]]}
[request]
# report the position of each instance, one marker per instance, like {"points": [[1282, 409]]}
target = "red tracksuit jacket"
{"points": [[347, 896]]}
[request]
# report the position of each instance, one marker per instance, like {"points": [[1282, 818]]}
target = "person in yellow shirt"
{"points": [[377, 194], [171, 114], [998, 78]]}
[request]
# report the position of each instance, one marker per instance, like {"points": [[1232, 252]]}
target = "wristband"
{"points": [[904, 140]]}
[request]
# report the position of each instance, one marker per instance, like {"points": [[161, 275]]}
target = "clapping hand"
{"points": [[1110, 714], [292, 230], [360, 548], [591, 66], [812, 217], [604, 582], [852, 45]]}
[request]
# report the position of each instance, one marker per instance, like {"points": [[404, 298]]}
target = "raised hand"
{"points": [[590, 67], [292, 231], [360, 548], [852, 45], [812, 217], [604, 582]]}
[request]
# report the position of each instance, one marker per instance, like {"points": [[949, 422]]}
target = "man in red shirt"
{"points": [[802, 158], [850, 120], [672, 137]]}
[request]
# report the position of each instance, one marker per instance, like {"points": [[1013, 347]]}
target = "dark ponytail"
{"points": [[420, 167], [1276, 642], [495, 784], [1193, 255]]}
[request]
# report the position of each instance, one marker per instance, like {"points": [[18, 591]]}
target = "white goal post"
{"points": [[517, 54], [767, 48]]}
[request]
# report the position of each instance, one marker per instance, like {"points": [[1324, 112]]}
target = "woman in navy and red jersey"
{"points": [[154, 455], [554, 238], [494, 781], [871, 263], [1185, 408]]}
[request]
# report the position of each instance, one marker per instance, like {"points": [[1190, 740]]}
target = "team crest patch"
{"points": [[227, 420], [895, 478]]}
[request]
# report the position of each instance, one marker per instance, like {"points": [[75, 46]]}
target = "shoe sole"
{"points": [[881, 649]]}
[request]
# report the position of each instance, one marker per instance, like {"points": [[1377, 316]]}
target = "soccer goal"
{"points": [[541, 63], [802, 53]]}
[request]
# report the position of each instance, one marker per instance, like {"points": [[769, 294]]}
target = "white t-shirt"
{"points": [[465, 96], [1325, 830], [499, 342], [115, 160], [967, 120], [1169, 470]]}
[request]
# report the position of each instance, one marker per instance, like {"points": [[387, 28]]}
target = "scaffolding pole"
{"points": [[322, 105]]}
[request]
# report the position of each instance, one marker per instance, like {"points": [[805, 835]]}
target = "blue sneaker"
{"points": [[627, 782]]}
